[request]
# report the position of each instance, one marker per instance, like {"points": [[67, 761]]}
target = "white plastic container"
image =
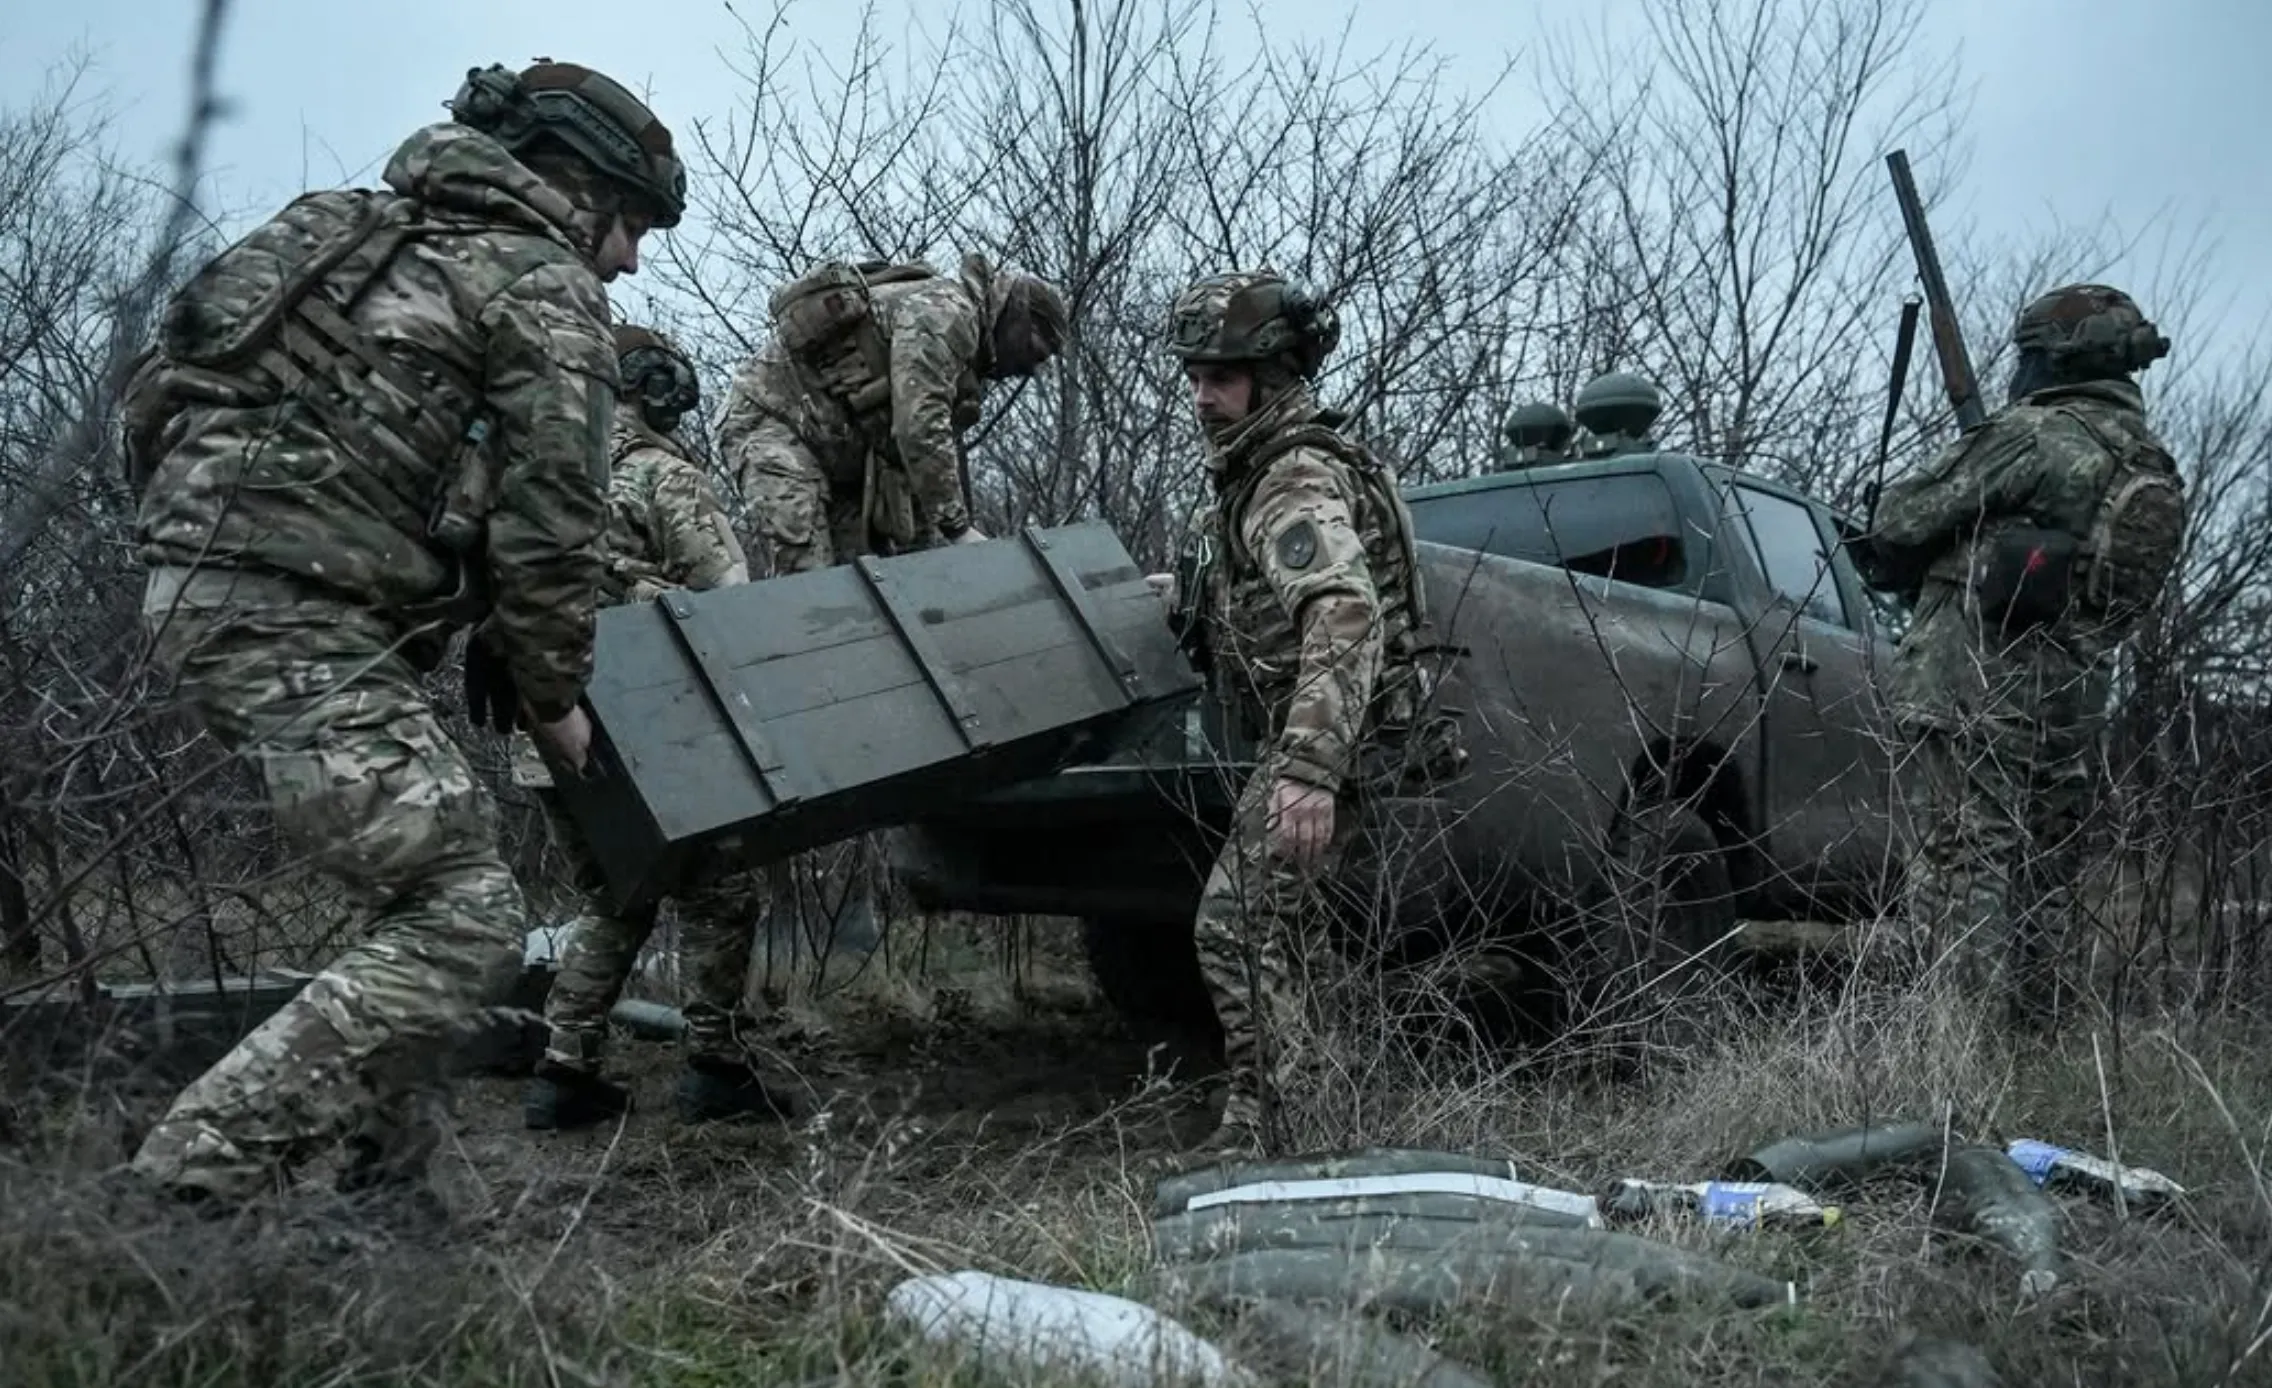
{"points": [[1035, 1326]]}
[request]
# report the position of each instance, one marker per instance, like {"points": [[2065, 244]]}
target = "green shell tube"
{"points": [[1177, 1190], [1384, 1221], [1985, 1193], [1841, 1157], [1524, 1267], [1322, 1348]]}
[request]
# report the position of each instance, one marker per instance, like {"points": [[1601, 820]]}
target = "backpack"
{"points": [[271, 313], [2135, 538], [2025, 577], [340, 239], [825, 319]]}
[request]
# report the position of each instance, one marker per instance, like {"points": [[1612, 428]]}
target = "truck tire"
{"points": [[1148, 973], [1654, 952]]}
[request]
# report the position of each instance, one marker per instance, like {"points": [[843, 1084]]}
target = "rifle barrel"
{"points": [[1948, 337]]}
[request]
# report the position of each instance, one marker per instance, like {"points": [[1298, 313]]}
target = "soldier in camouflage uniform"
{"points": [[666, 529], [1310, 604], [844, 436], [2035, 544], [844, 432], [381, 416]]}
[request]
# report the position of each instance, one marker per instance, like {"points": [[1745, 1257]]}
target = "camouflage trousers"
{"points": [[365, 785], [1259, 928], [716, 924], [1992, 873], [806, 521]]}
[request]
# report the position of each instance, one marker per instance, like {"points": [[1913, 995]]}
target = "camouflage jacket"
{"points": [[666, 529], [2041, 461], [1308, 593], [666, 526], [498, 294], [937, 336]]}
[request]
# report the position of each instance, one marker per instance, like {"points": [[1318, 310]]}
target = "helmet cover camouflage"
{"points": [[2088, 327], [1030, 318], [656, 374], [1252, 316], [589, 113], [630, 336]]}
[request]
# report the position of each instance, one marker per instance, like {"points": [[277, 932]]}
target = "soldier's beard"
{"points": [[1216, 425]]}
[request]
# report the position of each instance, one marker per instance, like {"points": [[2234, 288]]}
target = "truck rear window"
{"points": [[1622, 526]]}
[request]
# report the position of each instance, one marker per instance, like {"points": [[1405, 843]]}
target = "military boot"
{"points": [[1241, 1135], [560, 1096], [717, 1089]]}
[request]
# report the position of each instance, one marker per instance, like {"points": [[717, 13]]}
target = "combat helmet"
{"points": [[1030, 321], [2087, 330], [591, 114], [1253, 317], [657, 375]]}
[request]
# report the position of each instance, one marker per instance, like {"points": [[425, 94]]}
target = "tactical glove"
{"points": [[491, 698]]}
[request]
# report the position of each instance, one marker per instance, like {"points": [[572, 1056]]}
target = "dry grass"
{"points": [[973, 1123]]}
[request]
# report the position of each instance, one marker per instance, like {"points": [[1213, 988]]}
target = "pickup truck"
{"points": [[1670, 694]]}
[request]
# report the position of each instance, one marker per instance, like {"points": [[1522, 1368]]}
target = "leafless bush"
{"points": [[87, 248], [127, 842], [1117, 148], [1745, 240]]}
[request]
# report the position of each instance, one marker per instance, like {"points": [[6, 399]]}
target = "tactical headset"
{"points": [[662, 382], [1307, 328], [2134, 346], [2108, 330]]}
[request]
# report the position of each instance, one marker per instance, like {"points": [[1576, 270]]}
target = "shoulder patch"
{"points": [[1297, 545]]}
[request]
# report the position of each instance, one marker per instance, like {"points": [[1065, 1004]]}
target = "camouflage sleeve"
{"points": [[1299, 528], [737, 419], [928, 356], [690, 526], [1919, 515], [552, 381]]}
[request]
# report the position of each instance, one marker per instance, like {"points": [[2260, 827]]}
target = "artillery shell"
{"points": [[1524, 1267], [1380, 1221], [1353, 1350], [1176, 1191], [1986, 1194], [1843, 1156], [649, 1021]]}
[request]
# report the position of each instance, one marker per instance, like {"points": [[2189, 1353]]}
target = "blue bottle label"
{"points": [[2036, 1158], [1733, 1202]]}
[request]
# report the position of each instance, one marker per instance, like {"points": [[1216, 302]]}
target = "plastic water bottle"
{"points": [[2064, 1168], [1736, 1204]]}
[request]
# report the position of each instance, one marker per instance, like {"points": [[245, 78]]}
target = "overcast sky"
{"points": [[2082, 109]]}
